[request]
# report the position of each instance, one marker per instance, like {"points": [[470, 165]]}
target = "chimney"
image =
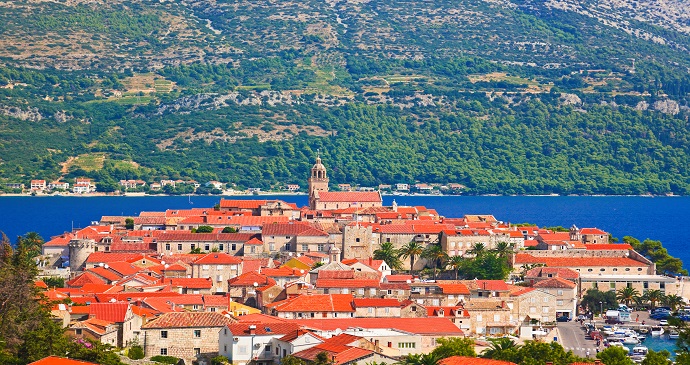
{"points": [[252, 329]]}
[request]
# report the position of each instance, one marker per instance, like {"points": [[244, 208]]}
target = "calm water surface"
{"points": [[659, 218]]}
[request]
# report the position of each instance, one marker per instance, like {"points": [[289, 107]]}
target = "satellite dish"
{"points": [[162, 262], [302, 271], [167, 266], [256, 284], [409, 281], [101, 264], [290, 254], [170, 253], [106, 266]]}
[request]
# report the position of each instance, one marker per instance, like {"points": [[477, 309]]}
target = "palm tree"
{"points": [[499, 349], [653, 296], [419, 359], [477, 249], [455, 262], [627, 295], [435, 254], [504, 248], [389, 255], [674, 301], [412, 249]]}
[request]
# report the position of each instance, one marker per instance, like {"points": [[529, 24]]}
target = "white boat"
{"points": [[640, 350], [657, 331], [643, 329], [673, 334], [630, 340]]}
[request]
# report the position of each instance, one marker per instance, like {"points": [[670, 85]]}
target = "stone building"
{"points": [[186, 335], [321, 199]]}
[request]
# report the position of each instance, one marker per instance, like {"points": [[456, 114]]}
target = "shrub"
{"points": [[172, 360], [136, 353], [219, 360]]}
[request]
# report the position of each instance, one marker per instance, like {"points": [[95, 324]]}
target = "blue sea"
{"points": [[659, 218]]}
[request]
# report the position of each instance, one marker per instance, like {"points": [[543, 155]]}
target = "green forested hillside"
{"points": [[503, 97]]}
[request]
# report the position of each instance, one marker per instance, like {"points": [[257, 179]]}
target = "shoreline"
{"points": [[282, 193]]}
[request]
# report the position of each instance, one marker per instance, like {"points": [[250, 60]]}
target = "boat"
{"points": [[643, 329], [657, 331], [673, 334], [631, 340], [640, 350]]}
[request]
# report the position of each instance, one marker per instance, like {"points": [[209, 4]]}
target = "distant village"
{"points": [[258, 280], [85, 186]]}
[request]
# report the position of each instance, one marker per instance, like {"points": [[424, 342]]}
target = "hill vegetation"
{"points": [[507, 97]]}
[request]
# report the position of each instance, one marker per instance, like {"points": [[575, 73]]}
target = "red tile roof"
{"points": [[41, 284], [493, 285], [556, 236], [113, 312], [447, 311], [417, 228], [249, 278], [398, 278], [218, 258], [465, 360], [561, 272], [427, 325], [531, 243], [593, 231], [523, 258], [278, 328], [189, 319], [349, 196], [216, 300], [347, 283], [242, 204], [454, 288], [54, 360], [555, 283], [520, 291], [192, 283], [104, 273], [610, 246], [315, 303], [283, 272], [292, 229], [108, 257], [254, 241], [83, 279]]}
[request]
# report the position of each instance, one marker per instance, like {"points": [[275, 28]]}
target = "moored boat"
{"points": [[657, 331]]}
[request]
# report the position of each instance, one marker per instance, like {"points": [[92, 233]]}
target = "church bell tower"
{"points": [[318, 181]]}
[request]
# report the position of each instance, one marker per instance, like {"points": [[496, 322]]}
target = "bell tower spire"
{"points": [[318, 180]]}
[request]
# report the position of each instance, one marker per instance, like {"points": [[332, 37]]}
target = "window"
{"points": [[225, 331], [219, 277], [414, 308], [602, 269], [546, 299], [225, 348], [479, 317], [252, 249], [370, 310], [197, 351], [590, 270], [193, 246], [242, 349], [179, 247], [559, 302], [164, 334], [221, 246], [287, 247], [78, 331], [164, 351], [407, 345], [545, 309], [532, 300], [612, 285], [205, 267], [639, 269], [533, 309], [196, 307], [267, 348], [388, 240], [167, 247], [272, 247], [560, 292], [645, 285], [388, 310], [213, 309], [360, 291], [319, 247], [207, 247], [435, 302], [305, 247], [219, 267], [372, 291], [497, 317], [233, 247], [615, 269]]}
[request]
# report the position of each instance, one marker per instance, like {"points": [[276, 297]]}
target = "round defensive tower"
{"points": [[79, 251]]}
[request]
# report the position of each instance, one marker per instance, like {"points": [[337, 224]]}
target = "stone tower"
{"points": [[79, 251], [575, 234], [318, 181]]}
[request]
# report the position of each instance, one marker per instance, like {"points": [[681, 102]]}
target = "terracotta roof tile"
{"points": [[464, 360], [54, 360], [350, 196], [610, 246], [189, 319], [493, 285], [113, 312], [105, 273], [192, 283], [593, 231], [427, 325], [292, 229], [278, 328], [218, 258], [454, 288], [523, 258], [347, 283], [376, 302], [555, 283], [83, 279], [249, 278], [315, 303]]}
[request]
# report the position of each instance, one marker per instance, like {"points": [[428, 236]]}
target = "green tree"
{"points": [[389, 255], [501, 349], [33, 243], [291, 360], [627, 295], [662, 357], [538, 353], [135, 352], [503, 249], [436, 256], [615, 355], [597, 301], [653, 296], [674, 301], [411, 250], [204, 229], [229, 230], [454, 346], [477, 249], [129, 223], [455, 263], [322, 358], [420, 359], [55, 282]]}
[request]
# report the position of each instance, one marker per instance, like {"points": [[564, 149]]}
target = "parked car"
{"points": [[563, 319], [663, 322], [613, 320], [661, 309], [660, 315]]}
